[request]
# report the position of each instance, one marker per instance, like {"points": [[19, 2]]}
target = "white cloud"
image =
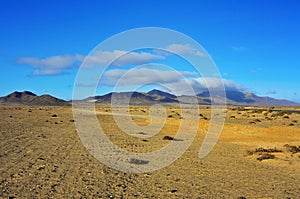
{"points": [[121, 58], [141, 76], [49, 62], [179, 82], [56, 65], [53, 65], [202, 84], [184, 49]]}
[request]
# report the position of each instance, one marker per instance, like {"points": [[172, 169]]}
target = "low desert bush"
{"points": [[292, 149], [266, 157], [263, 150]]}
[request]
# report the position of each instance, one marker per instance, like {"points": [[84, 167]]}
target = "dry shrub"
{"points": [[266, 156], [292, 149], [263, 150], [138, 161], [264, 153], [170, 138]]}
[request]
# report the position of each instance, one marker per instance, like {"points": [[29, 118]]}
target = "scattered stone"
{"points": [[54, 115], [173, 191]]}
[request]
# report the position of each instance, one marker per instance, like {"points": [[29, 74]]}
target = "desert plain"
{"points": [[256, 156]]}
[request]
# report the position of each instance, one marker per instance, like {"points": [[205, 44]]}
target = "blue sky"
{"points": [[255, 44]]}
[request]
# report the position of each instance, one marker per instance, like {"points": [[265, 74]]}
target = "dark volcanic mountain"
{"points": [[134, 98], [29, 98], [245, 98], [162, 96], [150, 98]]}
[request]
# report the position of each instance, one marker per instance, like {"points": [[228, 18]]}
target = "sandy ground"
{"points": [[42, 156]]}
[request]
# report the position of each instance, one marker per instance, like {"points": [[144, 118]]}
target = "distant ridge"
{"points": [[152, 97], [245, 98], [157, 96], [29, 98]]}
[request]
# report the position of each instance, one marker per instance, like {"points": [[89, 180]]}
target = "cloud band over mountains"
{"points": [[178, 81]]}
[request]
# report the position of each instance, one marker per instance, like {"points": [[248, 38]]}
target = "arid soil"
{"points": [[257, 156]]}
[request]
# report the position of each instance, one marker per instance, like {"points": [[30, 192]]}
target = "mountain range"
{"points": [[141, 98], [31, 99]]}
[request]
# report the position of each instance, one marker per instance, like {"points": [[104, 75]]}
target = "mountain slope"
{"points": [[150, 98], [134, 98], [162, 96], [245, 98], [29, 98]]}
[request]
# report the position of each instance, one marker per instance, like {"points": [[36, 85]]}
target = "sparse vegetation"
{"points": [[263, 150], [170, 138], [266, 157], [292, 149], [40, 139], [264, 153], [138, 161]]}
